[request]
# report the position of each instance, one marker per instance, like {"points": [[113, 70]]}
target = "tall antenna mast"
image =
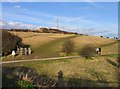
{"points": [[57, 23]]}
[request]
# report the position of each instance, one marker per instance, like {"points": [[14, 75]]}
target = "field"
{"points": [[45, 45], [78, 71], [100, 71], [109, 46]]}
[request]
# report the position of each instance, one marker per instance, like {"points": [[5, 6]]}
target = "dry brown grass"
{"points": [[23, 34], [111, 49], [98, 42], [84, 40], [37, 39]]}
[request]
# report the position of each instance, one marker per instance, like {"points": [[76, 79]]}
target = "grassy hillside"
{"points": [[109, 46], [42, 44], [77, 72], [101, 71], [49, 44], [37, 39]]}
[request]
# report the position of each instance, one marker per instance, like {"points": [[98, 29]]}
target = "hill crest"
{"points": [[44, 30]]}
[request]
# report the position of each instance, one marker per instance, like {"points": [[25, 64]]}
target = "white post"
{"points": [[29, 50], [13, 53]]}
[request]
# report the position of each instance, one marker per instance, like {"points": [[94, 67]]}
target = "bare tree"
{"points": [[87, 51], [68, 47]]}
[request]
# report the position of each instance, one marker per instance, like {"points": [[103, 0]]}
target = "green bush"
{"points": [[25, 84], [88, 51], [68, 47]]}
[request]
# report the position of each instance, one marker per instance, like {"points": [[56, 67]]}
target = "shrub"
{"points": [[87, 51], [25, 84], [9, 42], [68, 47]]}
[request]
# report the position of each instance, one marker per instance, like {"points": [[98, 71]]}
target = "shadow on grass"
{"points": [[112, 62], [11, 75], [99, 82], [49, 49], [78, 82]]}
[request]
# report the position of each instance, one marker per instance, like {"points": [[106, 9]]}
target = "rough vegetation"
{"points": [[76, 72], [68, 47], [44, 30], [9, 42], [27, 78], [88, 51]]}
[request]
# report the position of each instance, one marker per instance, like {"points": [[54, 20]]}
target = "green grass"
{"points": [[77, 70], [51, 49], [111, 55], [54, 61]]}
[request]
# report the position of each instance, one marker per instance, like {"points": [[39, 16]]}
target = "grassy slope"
{"points": [[81, 71], [43, 44], [109, 46], [95, 72], [51, 49], [49, 45]]}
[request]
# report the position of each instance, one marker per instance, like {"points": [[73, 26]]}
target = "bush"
{"points": [[9, 42], [87, 51], [25, 84], [68, 47]]}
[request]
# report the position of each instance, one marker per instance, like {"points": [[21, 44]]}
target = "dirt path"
{"points": [[55, 58]]}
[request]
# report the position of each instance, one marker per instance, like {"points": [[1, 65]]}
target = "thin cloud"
{"points": [[17, 6], [69, 19], [95, 5], [12, 1], [89, 31], [17, 25], [44, 18]]}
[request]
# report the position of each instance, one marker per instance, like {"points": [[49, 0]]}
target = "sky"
{"points": [[92, 18]]}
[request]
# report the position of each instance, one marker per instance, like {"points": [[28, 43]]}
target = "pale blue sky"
{"points": [[94, 18]]}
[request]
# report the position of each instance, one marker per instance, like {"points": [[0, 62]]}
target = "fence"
{"points": [[24, 51]]}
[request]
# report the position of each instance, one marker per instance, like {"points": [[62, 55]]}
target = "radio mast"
{"points": [[57, 23]]}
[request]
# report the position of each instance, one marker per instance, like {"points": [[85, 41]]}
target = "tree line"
{"points": [[9, 42]]}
